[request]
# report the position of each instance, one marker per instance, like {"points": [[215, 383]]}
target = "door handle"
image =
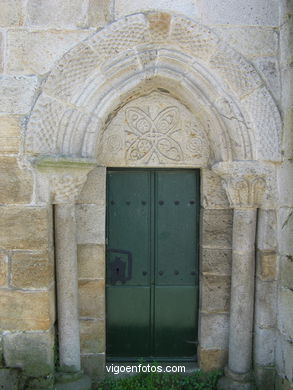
{"points": [[120, 270]]}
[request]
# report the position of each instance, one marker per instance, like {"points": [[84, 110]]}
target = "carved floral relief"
{"points": [[154, 130]]}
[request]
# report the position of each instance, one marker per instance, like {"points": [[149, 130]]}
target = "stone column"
{"points": [[67, 287], [244, 189], [60, 182]]}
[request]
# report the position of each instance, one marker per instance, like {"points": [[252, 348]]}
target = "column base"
{"points": [[74, 381], [233, 381]]}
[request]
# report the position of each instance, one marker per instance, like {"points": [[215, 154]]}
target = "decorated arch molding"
{"points": [[155, 51]]}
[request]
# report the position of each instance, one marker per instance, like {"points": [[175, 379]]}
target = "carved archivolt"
{"points": [[154, 130], [148, 51]]}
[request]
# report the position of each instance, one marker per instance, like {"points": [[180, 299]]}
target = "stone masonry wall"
{"points": [[34, 34]]}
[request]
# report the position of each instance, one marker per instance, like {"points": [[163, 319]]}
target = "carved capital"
{"points": [[60, 180], [245, 182]]}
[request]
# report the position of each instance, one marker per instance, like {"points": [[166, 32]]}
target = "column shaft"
{"points": [[242, 291], [67, 286]]}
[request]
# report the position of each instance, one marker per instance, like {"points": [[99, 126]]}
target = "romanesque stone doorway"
{"points": [[152, 264]]}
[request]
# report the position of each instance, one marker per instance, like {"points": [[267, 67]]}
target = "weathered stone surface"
{"points": [[90, 224], [9, 379], [285, 183], [11, 13], [251, 41], [282, 383], [93, 366], [91, 261], [33, 352], [267, 230], [3, 269], [260, 12], [215, 293], [92, 336], [10, 128], [284, 359], [94, 190], [264, 346], [183, 141], [16, 184], [92, 298], [268, 67], [285, 322], [265, 303], [212, 359], [57, 13], [187, 7], [25, 227], [286, 230], [22, 311], [265, 377], [214, 331], [244, 227], [99, 12], [286, 271], [35, 52], [31, 270], [267, 265], [217, 228], [17, 93], [216, 261], [213, 193]]}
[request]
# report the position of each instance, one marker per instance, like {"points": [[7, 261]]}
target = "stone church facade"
{"points": [[88, 85]]}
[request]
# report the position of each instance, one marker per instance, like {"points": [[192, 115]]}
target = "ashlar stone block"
{"points": [[33, 352], [99, 12], [265, 303], [250, 12], [25, 227], [17, 93], [214, 330], [21, 311], [269, 70], [94, 190], [9, 378], [267, 265], [91, 261], [92, 336], [35, 52], [215, 293], [217, 228], [11, 13], [10, 128], [286, 271], [31, 270], [188, 7], [90, 224], [3, 269], [16, 184], [267, 230], [285, 306], [92, 298], [285, 183], [264, 346], [210, 359], [93, 366], [250, 41], [286, 230], [213, 192], [57, 13], [216, 261]]}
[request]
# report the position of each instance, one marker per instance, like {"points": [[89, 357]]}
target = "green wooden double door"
{"points": [[152, 264]]}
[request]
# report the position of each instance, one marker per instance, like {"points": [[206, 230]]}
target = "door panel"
{"points": [[152, 263], [175, 321]]}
